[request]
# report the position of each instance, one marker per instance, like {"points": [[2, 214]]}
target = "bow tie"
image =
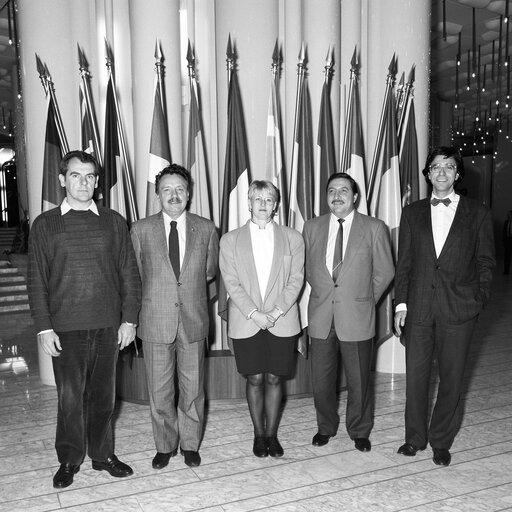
{"points": [[434, 201]]}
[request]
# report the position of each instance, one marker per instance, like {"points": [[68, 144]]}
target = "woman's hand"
{"points": [[262, 320]]}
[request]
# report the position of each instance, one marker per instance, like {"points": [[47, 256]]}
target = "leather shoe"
{"points": [[64, 476], [320, 439], [441, 456], [114, 466], [162, 459], [274, 447], [192, 458], [409, 450], [259, 447], [362, 444]]}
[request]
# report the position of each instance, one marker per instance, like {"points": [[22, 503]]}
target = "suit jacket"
{"points": [[165, 300], [285, 281], [366, 272], [459, 281]]}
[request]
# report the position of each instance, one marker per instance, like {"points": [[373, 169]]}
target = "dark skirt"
{"points": [[265, 353]]}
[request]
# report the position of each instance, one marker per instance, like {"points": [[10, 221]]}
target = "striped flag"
{"points": [[196, 158], [275, 171], [353, 158], [159, 147], [53, 193], [409, 163], [234, 211], [326, 152], [302, 170]]}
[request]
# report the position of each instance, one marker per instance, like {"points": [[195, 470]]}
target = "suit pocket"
{"points": [[363, 299]]}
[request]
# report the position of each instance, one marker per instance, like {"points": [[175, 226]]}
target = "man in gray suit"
{"points": [[177, 255], [349, 266]]}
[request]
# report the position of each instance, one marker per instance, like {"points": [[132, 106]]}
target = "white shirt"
{"points": [[442, 219], [181, 226], [262, 241], [65, 207], [333, 233]]}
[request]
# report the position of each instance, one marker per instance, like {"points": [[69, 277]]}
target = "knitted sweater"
{"points": [[82, 271]]}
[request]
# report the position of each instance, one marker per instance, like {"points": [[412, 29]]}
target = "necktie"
{"points": [[434, 201], [338, 252], [174, 249]]}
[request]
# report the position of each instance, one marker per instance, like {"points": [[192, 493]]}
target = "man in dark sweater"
{"points": [[84, 291]]}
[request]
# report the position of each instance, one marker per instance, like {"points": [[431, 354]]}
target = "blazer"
{"points": [[167, 301], [366, 272], [238, 270], [459, 281]]}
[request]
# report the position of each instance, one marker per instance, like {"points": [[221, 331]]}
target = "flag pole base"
{"points": [[390, 356]]}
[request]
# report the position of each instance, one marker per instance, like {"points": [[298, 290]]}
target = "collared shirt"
{"points": [[442, 219], [65, 207], [333, 232], [181, 226], [262, 241]]}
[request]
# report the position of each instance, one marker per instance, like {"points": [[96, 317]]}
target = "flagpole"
{"points": [[230, 61], [127, 172], [354, 68], [85, 76]]}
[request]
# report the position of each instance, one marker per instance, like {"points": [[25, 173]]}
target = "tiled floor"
{"points": [[335, 477]]}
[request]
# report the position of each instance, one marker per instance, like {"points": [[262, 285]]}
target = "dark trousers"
{"points": [[449, 345], [85, 374], [507, 257], [356, 358]]}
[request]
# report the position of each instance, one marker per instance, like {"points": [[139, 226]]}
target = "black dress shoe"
{"points": [[259, 447], [441, 456], [320, 439], [274, 447], [362, 444], [409, 450], [114, 466], [192, 458], [161, 460], [64, 476]]}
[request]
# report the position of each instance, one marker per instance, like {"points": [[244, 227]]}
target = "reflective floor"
{"points": [[335, 477]]}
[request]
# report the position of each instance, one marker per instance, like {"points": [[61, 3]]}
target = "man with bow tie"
{"points": [[443, 279]]}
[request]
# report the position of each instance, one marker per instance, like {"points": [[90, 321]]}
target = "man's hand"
{"points": [[399, 321], [125, 335], [50, 343]]}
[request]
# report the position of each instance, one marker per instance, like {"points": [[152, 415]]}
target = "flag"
{"points": [[234, 211], [53, 193], [326, 155], [159, 147], [196, 158], [352, 159], [409, 164], [274, 168], [386, 201], [117, 187], [302, 170]]}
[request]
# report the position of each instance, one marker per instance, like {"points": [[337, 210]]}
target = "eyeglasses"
{"points": [[448, 167]]}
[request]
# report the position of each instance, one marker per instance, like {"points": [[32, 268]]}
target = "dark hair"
{"points": [[447, 152], [169, 171], [82, 156], [344, 175]]}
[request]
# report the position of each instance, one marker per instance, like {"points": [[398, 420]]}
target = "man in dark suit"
{"points": [[349, 266], [177, 255], [443, 279]]}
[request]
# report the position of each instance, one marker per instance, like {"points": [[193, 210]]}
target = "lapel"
{"points": [[277, 258], [192, 233], [320, 241], [425, 219], [247, 256], [160, 238], [354, 240]]}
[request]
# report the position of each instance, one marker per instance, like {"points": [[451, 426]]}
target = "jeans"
{"points": [[85, 374]]}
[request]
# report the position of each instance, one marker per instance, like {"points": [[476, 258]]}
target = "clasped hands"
{"points": [[267, 319]]}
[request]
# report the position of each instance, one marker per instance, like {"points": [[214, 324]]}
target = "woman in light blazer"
{"points": [[262, 265]]}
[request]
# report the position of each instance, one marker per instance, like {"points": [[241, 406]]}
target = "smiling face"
{"points": [[442, 175], [80, 181], [340, 197], [173, 194]]}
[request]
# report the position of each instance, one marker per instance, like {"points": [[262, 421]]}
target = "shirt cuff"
{"points": [[251, 313], [401, 307], [45, 331]]}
